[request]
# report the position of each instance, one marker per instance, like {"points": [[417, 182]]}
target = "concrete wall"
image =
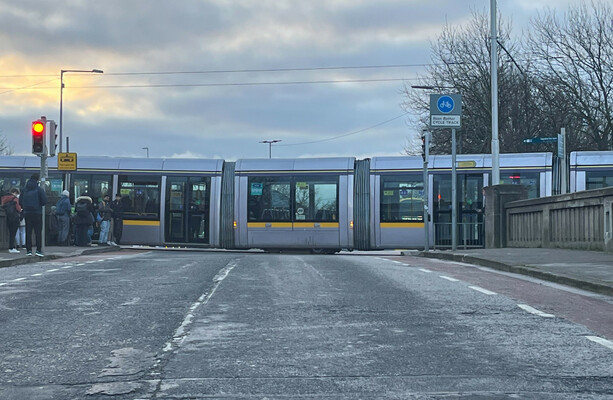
{"points": [[581, 220]]}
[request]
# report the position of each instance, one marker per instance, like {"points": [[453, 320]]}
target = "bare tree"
{"points": [[5, 148], [461, 64], [575, 71]]}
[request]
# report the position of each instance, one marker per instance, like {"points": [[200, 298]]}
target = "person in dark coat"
{"points": [[117, 218], [13, 217], [83, 220], [32, 201]]}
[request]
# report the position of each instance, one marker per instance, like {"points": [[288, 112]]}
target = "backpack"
{"points": [[82, 209], [10, 208]]}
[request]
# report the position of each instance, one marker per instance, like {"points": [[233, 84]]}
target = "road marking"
{"points": [[181, 332], [39, 274], [78, 265], [66, 267], [2, 284], [484, 291], [52, 270], [599, 340], [450, 278], [19, 279], [534, 311], [425, 270]]}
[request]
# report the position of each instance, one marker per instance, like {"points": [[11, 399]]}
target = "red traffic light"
{"points": [[38, 128]]}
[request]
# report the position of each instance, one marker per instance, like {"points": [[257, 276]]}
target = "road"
{"points": [[188, 325]]}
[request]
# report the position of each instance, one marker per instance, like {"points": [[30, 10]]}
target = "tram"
{"points": [[590, 170], [317, 204]]}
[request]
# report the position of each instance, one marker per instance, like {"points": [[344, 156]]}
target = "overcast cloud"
{"points": [[223, 114]]}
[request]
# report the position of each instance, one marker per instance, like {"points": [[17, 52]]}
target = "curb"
{"points": [[527, 270], [34, 259]]}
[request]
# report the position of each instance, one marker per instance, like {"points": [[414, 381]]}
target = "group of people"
{"points": [[108, 216], [24, 218]]}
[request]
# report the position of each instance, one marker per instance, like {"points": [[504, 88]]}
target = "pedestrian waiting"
{"points": [[12, 209]]}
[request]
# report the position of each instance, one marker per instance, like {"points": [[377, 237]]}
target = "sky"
{"points": [[214, 78]]}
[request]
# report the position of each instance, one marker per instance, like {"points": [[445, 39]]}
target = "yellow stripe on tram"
{"points": [[132, 222], [290, 225], [269, 225], [312, 224], [402, 225]]}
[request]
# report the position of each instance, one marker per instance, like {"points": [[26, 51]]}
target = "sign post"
{"points": [[446, 112]]}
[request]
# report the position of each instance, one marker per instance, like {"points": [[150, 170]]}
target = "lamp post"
{"points": [[146, 148], [270, 142], [494, 78], [62, 72]]}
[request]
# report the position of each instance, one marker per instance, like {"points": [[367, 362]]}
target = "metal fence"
{"points": [[470, 235]]}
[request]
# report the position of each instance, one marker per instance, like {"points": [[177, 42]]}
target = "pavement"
{"points": [[587, 270], [51, 253]]}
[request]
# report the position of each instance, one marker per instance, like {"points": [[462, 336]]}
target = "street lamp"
{"points": [[62, 72], [270, 142], [146, 148]]}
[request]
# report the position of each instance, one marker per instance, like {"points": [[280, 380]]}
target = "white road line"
{"points": [[52, 270], [425, 270], [599, 340], [80, 264], [450, 278], [181, 332], [484, 291], [66, 267], [534, 311], [3, 284], [19, 279], [39, 274]]}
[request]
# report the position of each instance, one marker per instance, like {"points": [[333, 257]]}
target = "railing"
{"points": [[581, 220], [470, 235]]}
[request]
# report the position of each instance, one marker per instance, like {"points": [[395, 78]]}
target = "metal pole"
{"points": [[426, 192], [494, 77], [146, 148], [61, 107], [269, 150], [454, 222], [564, 161]]}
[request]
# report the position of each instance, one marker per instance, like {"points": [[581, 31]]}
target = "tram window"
{"points": [[9, 181], [529, 180], [316, 199], [402, 199], [597, 180], [269, 199], [140, 196], [53, 188], [94, 186]]}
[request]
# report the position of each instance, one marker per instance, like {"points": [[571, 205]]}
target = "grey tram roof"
{"points": [[119, 164], [508, 160], [296, 164]]}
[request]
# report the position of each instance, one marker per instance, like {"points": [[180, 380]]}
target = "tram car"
{"points": [[318, 204], [590, 170]]}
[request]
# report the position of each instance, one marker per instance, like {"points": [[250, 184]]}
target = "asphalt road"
{"points": [[183, 325]]}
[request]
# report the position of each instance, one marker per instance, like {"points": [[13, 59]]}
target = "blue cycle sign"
{"points": [[445, 110], [445, 104]]}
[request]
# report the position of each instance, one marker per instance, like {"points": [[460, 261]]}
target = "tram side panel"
{"points": [[397, 211]]}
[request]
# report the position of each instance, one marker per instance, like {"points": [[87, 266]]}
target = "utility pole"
{"points": [[494, 78]]}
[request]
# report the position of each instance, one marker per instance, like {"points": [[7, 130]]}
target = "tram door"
{"points": [[188, 210], [468, 210]]}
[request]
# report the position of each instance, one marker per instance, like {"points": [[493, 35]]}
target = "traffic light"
{"points": [[52, 138], [423, 146], [38, 137]]}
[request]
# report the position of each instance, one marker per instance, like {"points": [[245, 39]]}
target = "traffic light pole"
{"points": [[426, 155]]}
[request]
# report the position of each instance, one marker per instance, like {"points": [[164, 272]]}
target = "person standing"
{"points": [[20, 237], [32, 201], [10, 203], [117, 218], [106, 212], [83, 220], [62, 211]]}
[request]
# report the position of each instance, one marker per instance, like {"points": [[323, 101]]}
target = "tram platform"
{"points": [[587, 270], [51, 253]]}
